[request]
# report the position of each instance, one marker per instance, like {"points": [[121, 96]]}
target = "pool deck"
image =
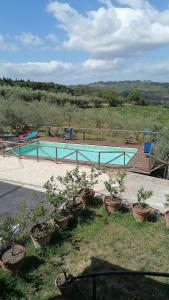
{"points": [[30, 174]]}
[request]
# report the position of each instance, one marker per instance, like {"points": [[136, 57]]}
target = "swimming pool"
{"points": [[78, 152]]}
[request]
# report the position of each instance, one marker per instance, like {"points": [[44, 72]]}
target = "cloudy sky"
{"points": [[82, 41]]}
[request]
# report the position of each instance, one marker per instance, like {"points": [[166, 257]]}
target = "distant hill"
{"points": [[151, 91]]}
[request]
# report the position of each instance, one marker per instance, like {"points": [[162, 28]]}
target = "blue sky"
{"points": [[75, 41]]}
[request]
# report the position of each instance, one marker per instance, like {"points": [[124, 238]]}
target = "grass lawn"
{"points": [[100, 242]]}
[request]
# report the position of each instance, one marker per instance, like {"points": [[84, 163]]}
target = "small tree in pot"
{"points": [[141, 210], [11, 254], [81, 184], [42, 229], [167, 212], [75, 205], [57, 200], [88, 182], [64, 202], [115, 188], [6, 234]]}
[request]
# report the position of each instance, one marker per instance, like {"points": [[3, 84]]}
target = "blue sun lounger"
{"points": [[31, 136]]}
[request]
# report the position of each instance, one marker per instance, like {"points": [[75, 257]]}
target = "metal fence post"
{"points": [[83, 135], [3, 149], [37, 153], [124, 158], [150, 162], [97, 134], [94, 287], [99, 159], [56, 154], [19, 151], [77, 156]]}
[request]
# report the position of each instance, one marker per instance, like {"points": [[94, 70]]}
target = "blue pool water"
{"points": [[80, 152]]}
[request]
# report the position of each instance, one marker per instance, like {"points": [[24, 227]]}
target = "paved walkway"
{"points": [[32, 175], [11, 196]]}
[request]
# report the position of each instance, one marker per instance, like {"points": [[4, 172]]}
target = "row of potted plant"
{"points": [[55, 210], [65, 198], [140, 209]]}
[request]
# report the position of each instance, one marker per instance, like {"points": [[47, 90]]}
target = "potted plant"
{"points": [[167, 212], [64, 283], [6, 232], [41, 231], [56, 198], [12, 257], [81, 184], [140, 209], [115, 188], [88, 182], [75, 205], [11, 254], [61, 217]]}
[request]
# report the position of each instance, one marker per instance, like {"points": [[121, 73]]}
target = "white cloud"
{"points": [[7, 46], [101, 65], [44, 71], [51, 37], [28, 39], [158, 71], [88, 71], [133, 3], [110, 31]]}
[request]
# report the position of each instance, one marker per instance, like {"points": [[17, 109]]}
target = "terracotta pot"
{"points": [[4, 245], [167, 218], [65, 286], [111, 204], [40, 241], [87, 195], [140, 214], [62, 222], [78, 206], [14, 263]]}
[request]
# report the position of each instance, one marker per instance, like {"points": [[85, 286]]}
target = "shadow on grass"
{"points": [[60, 235], [96, 202], [31, 263], [87, 216], [119, 287], [124, 209], [26, 274], [8, 290], [154, 216]]}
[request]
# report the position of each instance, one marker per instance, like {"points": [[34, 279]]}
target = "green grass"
{"points": [[98, 243]]}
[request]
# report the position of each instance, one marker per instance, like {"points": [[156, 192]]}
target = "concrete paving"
{"points": [[31, 175]]}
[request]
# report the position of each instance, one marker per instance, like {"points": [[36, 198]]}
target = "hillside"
{"points": [[155, 92], [151, 91]]}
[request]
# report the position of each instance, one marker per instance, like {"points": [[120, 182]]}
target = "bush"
{"points": [[161, 147]]}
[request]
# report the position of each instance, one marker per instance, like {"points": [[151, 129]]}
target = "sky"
{"points": [[83, 41]]}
